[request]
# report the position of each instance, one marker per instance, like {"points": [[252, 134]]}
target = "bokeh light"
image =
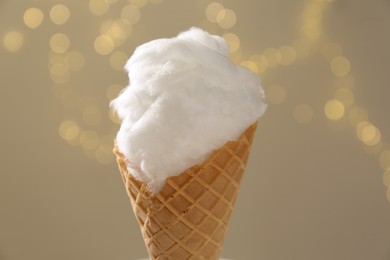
{"points": [[303, 113], [13, 41], [69, 130], [33, 17], [359, 129], [261, 62], [212, 11], [368, 133], [250, 65], [226, 18], [117, 31], [59, 14], [60, 79], [58, 69], [312, 14], [130, 14], [341, 66], [89, 140], [233, 40], [104, 45], [334, 109], [311, 31], [98, 7], [275, 94], [311, 20], [56, 58], [59, 43]]}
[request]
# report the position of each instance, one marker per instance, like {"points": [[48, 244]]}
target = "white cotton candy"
{"points": [[185, 99]]}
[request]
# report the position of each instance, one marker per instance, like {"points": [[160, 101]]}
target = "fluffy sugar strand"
{"points": [[185, 99]]}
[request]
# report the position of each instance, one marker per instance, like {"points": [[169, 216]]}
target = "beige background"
{"points": [[311, 191]]}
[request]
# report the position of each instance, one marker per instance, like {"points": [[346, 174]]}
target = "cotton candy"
{"points": [[185, 99]]}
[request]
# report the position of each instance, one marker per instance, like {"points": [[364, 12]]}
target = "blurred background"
{"points": [[317, 183]]}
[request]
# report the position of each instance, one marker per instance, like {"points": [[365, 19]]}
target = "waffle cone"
{"points": [[189, 217]]}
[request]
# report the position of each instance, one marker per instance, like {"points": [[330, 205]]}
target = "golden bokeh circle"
{"points": [[59, 43], [226, 18], [368, 133], [233, 41], [69, 130], [334, 109], [130, 14], [33, 17], [59, 14], [13, 41], [341, 66], [104, 45], [212, 11], [89, 139]]}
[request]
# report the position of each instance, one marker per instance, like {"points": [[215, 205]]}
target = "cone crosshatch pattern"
{"points": [[189, 217]]}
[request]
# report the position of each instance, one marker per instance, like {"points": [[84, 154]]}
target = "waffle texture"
{"points": [[189, 217]]}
